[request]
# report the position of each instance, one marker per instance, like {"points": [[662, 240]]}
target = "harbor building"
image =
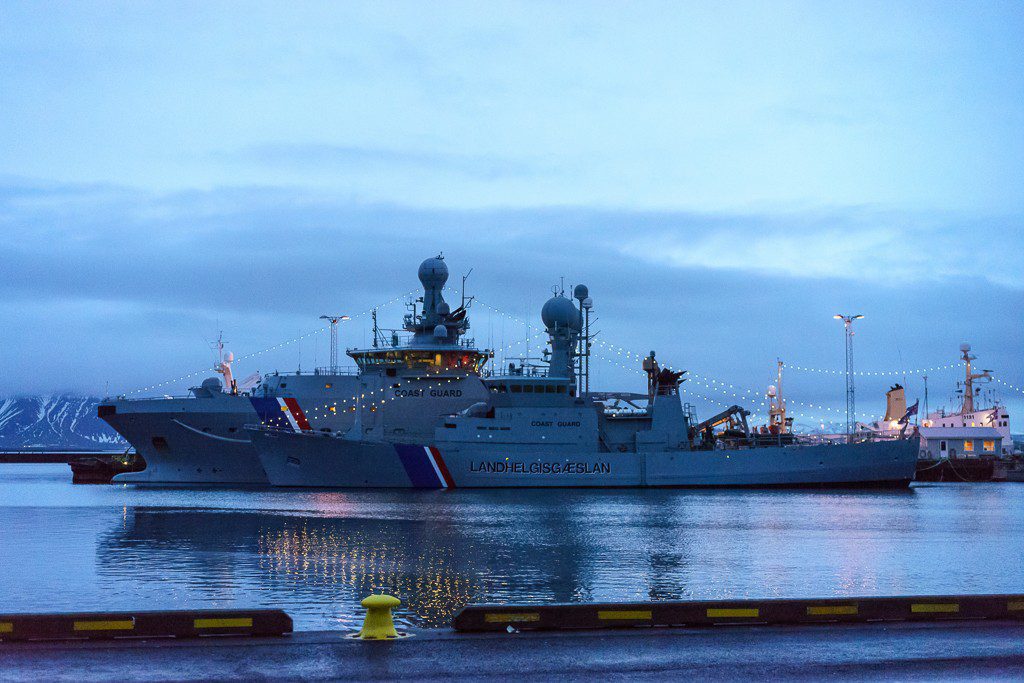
{"points": [[940, 443]]}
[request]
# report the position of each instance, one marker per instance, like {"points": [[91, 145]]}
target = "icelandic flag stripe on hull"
{"points": [[424, 466], [280, 412]]}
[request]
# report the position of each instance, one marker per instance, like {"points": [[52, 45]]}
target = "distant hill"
{"points": [[55, 422]]}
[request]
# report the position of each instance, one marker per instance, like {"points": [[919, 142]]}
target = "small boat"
{"points": [[100, 469]]}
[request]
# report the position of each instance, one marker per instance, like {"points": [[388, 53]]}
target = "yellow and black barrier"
{"points": [[719, 612], [149, 624]]}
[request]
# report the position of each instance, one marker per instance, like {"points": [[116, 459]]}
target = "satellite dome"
{"points": [[965, 347], [433, 273], [580, 292], [212, 384], [560, 312], [441, 332], [443, 308]]}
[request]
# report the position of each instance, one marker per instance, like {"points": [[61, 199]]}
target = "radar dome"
{"points": [[965, 347], [443, 308], [560, 312], [433, 273], [212, 384], [580, 292], [441, 332]]}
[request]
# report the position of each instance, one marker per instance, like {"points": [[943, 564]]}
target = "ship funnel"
{"points": [[895, 403]]}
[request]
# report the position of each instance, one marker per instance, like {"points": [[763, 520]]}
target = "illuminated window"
{"points": [[968, 446], [328, 386], [990, 446], [332, 409]]}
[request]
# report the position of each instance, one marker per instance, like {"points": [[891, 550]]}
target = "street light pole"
{"points": [[851, 413], [334, 319]]}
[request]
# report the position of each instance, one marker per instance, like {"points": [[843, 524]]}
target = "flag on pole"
{"points": [[912, 410]]}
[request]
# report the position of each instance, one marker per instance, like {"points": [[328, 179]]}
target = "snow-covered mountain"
{"points": [[55, 422]]}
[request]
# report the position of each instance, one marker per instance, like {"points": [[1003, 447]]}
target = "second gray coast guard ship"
{"points": [[539, 429]]}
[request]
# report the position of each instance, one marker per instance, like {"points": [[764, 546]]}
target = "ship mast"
{"points": [[968, 404], [333, 320], [223, 366], [777, 404]]}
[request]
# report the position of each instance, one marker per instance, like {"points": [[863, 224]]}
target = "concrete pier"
{"points": [[951, 650]]}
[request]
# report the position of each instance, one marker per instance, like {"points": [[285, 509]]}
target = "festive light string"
{"points": [[1008, 385], [726, 388], [758, 414], [802, 368], [271, 348], [874, 373]]}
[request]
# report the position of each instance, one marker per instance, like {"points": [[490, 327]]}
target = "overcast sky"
{"points": [[724, 176]]}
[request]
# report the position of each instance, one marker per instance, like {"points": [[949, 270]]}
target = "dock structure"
{"points": [[903, 637], [900, 650], [720, 612]]}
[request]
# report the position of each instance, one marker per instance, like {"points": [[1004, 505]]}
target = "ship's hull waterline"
{"points": [[218, 451], [309, 460]]}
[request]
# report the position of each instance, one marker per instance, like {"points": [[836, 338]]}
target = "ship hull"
{"points": [[309, 460], [182, 445]]}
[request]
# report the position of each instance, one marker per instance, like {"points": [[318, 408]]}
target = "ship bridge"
{"points": [[460, 357], [431, 342]]}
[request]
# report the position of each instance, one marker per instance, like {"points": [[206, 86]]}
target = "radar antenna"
{"points": [[464, 278]]}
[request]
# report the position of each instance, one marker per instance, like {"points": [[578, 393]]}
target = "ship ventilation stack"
{"points": [[563, 324]]}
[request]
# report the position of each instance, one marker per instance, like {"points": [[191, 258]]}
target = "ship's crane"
{"points": [[735, 420]]}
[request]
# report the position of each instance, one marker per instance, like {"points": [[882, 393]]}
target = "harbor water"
{"points": [[317, 553]]}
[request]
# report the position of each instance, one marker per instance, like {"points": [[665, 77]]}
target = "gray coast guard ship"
{"points": [[402, 387], [542, 429]]}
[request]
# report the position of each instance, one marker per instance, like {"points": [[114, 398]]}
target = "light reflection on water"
{"points": [[316, 553]]}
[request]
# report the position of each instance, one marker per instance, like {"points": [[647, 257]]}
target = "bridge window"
{"points": [[516, 388], [990, 446], [528, 388], [968, 446]]}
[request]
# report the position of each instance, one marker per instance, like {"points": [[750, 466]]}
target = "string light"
{"points": [[873, 373], [724, 388], [1008, 385]]}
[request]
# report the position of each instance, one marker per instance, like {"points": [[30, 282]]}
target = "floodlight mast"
{"points": [[851, 413], [334, 320]]}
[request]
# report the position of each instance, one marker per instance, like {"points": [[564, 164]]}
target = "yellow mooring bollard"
{"points": [[378, 624]]}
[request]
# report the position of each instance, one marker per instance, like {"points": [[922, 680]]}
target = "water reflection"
{"points": [[317, 554]]}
